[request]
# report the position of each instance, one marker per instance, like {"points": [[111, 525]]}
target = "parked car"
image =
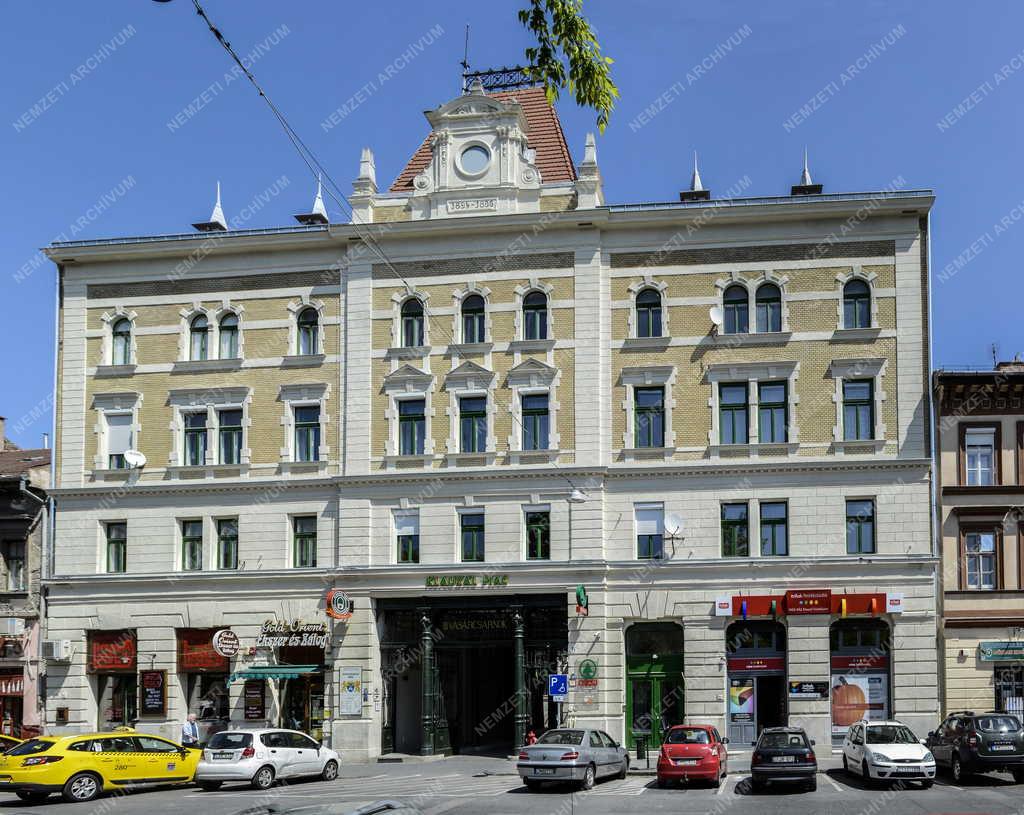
{"points": [[887, 751], [81, 767], [571, 754], [971, 742], [692, 752], [262, 757], [783, 755]]}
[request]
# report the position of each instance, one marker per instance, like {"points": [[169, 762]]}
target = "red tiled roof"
{"points": [[543, 134], [19, 462]]}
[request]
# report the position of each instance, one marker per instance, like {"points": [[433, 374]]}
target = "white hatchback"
{"points": [[887, 751], [261, 757]]}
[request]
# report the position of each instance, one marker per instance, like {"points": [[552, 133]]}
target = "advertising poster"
{"points": [[351, 692], [858, 696], [741, 700]]}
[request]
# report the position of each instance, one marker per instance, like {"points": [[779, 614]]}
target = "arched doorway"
{"points": [[654, 681], [757, 678], [859, 655]]}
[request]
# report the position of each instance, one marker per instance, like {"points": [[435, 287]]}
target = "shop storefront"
{"points": [[203, 675], [112, 658], [654, 681], [756, 666], [12, 692], [1007, 661], [860, 673]]}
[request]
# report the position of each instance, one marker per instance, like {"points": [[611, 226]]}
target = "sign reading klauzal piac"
{"points": [[470, 581], [277, 635]]}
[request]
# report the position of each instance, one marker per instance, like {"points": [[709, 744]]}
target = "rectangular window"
{"points": [[473, 423], [979, 456], [649, 417], [858, 409], [412, 426], [732, 401], [860, 527], [117, 547], [772, 412], [535, 421], [230, 428], [538, 535], [472, 537], [774, 529], [307, 433], [305, 542], [195, 439], [735, 531], [119, 439], [650, 531], [14, 565], [227, 543], [191, 546], [979, 567], [407, 536]]}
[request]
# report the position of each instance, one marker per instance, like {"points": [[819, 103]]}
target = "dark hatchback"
{"points": [[784, 755], [970, 742]]}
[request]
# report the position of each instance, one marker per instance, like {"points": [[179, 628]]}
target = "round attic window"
{"points": [[474, 159]]}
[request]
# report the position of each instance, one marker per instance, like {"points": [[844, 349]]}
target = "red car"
{"points": [[693, 751]]}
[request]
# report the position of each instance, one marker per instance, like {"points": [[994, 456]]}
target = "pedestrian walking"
{"points": [[190, 732]]}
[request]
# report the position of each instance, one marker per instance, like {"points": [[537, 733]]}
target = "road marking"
{"points": [[724, 786], [833, 783]]}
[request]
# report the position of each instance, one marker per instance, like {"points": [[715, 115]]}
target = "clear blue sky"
{"points": [[118, 72]]}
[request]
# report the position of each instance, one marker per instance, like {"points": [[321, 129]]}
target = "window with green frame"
{"points": [[304, 541], [536, 421], [195, 439], [860, 527], [307, 433], [473, 423], [472, 524], [858, 409], [650, 531], [538, 535], [774, 529], [230, 429], [732, 413], [649, 417], [412, 426], [772, 410], [407, 536], [191, 546], [117, 547], [227, 543], [735, 530]]}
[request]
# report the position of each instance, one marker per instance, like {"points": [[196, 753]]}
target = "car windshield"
{"points": [[688, 735], [998, 724], [30, 747], [890, 734], [782, 741], [230, 741], [561, 737]]}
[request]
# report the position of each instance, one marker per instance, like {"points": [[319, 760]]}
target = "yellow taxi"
{"points": [[83, 766]]}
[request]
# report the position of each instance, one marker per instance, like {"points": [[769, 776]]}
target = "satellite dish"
{"points": [[674, 524], [134, 459], [716, 315]]}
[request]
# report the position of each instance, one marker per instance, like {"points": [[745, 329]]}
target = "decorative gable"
{"points": [[408, 379], [531, 373], [469, 376]]}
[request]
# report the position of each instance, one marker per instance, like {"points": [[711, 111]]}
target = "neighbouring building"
{"points": [[24, 534], [980, 486], [378, 479]]}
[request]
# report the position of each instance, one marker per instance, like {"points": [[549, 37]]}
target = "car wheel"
{"points": [[32, 797], [532, 784], [956, 769], [812, 785], [210, 786], [263, 779], [81, 787], [330, 772], [589, 776], [927, 784]]}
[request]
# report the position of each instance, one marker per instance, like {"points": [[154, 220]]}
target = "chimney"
{"points": [[46, 441]]}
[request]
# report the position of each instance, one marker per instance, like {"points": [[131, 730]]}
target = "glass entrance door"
{"points": [[653, 705]]}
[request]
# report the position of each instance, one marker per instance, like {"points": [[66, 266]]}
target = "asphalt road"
{"points": [[457, 786]]}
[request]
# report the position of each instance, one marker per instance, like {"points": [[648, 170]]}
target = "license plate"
{"points": [[223, 756], [687, 761], [784, 759], [908, 769], [1002, 746], [543, 771]]}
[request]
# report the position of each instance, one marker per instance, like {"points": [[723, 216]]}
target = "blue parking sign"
{"points": [[558, 687]]}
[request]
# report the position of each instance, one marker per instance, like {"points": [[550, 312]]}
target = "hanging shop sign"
{"points": [[226, 643], [351, 703], [582, 601], [587, 669], [808, 690], [296, 633], [254, 699], [1000, 651], [197, 654], [112, 652], [465, 581], [153, 693], [338, 604], [813, 601]]}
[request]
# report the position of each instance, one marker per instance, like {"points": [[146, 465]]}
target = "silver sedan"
{"points": [[569, 754]]}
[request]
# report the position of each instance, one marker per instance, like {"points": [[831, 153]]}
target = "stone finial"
{"points": [[590, 151], [367, 168], [318, 215], [805, 176], [806, 185], [696, 191], [589, 191], [364, 188], [696, 185], [217, 222]]}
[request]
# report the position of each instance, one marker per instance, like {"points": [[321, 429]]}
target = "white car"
{"points": [[261, 757], [887, 751]]}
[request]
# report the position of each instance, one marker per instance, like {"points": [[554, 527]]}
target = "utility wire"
{"points": [[317, 170]]}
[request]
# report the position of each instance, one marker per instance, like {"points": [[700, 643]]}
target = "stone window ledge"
{"points": [[194, 366], [110, 371], [855, 334], [303, 361], [531, 345], [463, 348], [652, 343], [412, 352]]}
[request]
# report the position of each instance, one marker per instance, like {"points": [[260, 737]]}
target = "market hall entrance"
{"points": [[654, 681], [756, 658]]}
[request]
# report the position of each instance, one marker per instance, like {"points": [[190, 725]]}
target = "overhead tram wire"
{"points": [[316, 170]]}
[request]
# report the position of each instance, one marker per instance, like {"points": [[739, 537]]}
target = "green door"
{"points": [[654, 702]]}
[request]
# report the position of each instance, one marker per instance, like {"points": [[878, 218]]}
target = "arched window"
{"points": [[535, 316], [229, 336], [736, 308], [199, 332], [768, 304], [412, 323], [308, 325], [856, 304], [122, 342], [648, 313], [473, 319]]}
